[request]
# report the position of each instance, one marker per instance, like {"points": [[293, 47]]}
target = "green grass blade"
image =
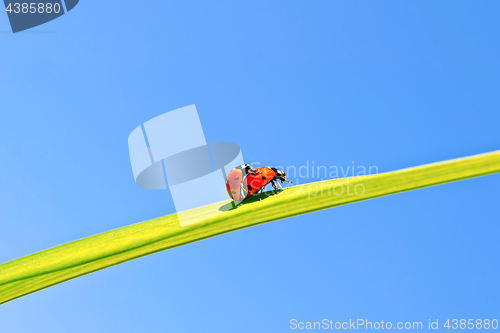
{"points": [[46, 268]]}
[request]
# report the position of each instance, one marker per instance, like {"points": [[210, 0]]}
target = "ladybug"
{"points": [[244, 181]]}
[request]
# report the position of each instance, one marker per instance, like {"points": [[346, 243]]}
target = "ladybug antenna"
{"points": [[281, 175]]}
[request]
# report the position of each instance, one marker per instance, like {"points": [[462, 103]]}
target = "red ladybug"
{"points": [[243, 181]]}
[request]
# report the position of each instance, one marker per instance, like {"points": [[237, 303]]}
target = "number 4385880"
{"points": [[471, 324], [33, 8]]}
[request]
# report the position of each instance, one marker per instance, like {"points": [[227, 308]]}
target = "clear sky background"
{"points": [[391, 84]]}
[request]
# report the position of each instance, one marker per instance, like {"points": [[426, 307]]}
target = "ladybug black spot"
{"points": [[237, 178], [233, 192], [249, 187], [263, 178]]}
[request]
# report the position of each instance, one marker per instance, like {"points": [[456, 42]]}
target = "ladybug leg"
{"points": [[253, 172], [261, 190], [274, 186], [277, 182]]}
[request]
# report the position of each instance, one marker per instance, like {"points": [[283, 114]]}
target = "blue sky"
{"points": [[391, 84]]}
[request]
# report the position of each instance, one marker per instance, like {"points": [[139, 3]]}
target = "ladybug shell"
{"points": [[234, 181], [261, 178]]}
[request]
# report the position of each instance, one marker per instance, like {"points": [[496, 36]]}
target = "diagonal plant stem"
{"points": [[55, 265]]}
